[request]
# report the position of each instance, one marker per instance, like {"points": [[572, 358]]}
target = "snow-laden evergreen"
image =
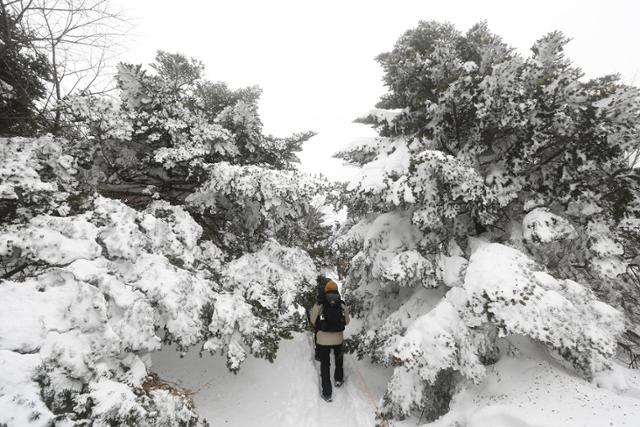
{"points": [[165, 218], [500, 199]]}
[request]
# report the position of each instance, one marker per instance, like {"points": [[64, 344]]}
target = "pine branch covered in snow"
{"points": [[273, 203]]}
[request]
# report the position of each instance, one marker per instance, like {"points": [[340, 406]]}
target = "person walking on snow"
{"points": [[329, 317], [321, 282]]}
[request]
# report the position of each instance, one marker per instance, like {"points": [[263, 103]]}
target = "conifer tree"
{"points": [[22, 77], [501, 197]]}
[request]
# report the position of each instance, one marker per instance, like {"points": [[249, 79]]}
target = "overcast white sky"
{"points": [[314, 59]]}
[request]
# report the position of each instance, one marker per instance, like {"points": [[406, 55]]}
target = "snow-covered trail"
{"points": [[532, 390], [283, 393]]}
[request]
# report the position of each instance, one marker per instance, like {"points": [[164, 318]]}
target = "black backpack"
{"points": [[332, 316]]}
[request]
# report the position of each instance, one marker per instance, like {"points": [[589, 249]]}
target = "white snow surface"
{"points": [[534, 390], [283, 393], [526, 388], [18, 393], [451, 269]]}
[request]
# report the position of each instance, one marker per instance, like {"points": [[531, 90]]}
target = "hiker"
{"points": [[329, 317], [321, 282]]}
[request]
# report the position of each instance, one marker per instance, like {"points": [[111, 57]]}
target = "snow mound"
{"points": [[532, 390]]}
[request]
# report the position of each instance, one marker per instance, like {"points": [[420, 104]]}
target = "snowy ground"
{"points": [[283, 393], [533, 390]]}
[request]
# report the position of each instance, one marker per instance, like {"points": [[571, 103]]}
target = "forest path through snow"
{"points": [[283, 393]]}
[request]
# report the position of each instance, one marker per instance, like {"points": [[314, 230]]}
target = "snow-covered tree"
{"points": [[179, 137], [168, 217], [22, 78], [500, 198]]}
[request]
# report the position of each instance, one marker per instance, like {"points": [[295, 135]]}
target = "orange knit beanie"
{"points": [[331, 286]]}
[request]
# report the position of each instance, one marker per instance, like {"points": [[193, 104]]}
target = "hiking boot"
{"points": [[339, 383], [327, 398]]}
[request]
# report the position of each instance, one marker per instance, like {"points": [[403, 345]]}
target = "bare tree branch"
{"points": [[76, 36]]}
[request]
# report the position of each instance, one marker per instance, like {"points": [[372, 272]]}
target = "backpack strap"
{"points": [[317, 324]]}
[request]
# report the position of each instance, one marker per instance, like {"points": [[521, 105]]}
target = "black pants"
{"points": [[324, 352]]}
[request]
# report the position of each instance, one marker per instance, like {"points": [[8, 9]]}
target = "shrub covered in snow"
{"points": [[93, 294], [166, 218], [260, 302], [181, 138], [508, 186]]}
